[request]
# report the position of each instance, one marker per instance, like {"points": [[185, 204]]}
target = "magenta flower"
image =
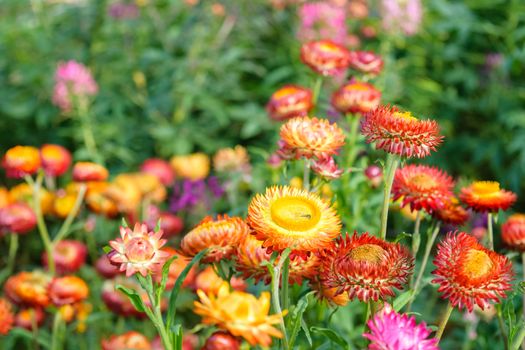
{"points": [[402, 15], [322, 20], [327, 168], [390, 330], [72, 80]]}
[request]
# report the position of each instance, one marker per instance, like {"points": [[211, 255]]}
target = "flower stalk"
{"points": [[444, 321], [392, 162]]}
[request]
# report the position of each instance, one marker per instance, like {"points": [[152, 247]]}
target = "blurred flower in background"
{"points": [[73, 83], [403, 16], [123, 10], [322, 20]]}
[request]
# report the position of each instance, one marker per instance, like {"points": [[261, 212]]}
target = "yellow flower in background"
{"points": [[241, 314], [24, 193], [194, 166], [231, 160]]}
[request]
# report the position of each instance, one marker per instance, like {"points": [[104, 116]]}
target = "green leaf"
{"points": [[165, 273], [107, 249], [402, 300], [124, 223], [296, 318], [133, 296], [330, 334], [306, 331], [157, 226], [177, 336], [170, 319], [401, 236], [42, 338]]}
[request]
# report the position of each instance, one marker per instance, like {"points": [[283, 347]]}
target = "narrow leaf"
{"points": [[330, 334], [133, 296], [402, 300]]}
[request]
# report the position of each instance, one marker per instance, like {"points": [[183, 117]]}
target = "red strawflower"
{"points": [[69, 256], [6, 316], [55, 159], [356, 97], [17, 218], [513, 232], [366, 62], [325, 57], [290, 101], [487, 196], [451, 213]]}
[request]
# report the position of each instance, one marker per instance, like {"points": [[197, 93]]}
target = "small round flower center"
{"points": [[371, 253], [289, 90], [139, 250], [329, 47], [404, 115], [423, 181], [485, 187], [295, 214], [357, 87], [477, 264]]}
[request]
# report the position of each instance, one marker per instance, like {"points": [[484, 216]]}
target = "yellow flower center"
{"points": [[485, 187], [358, 87], [423, 181], [477, 264], [295, 214], [327, 46], [405, 115], [371, 253], [289, 90]]}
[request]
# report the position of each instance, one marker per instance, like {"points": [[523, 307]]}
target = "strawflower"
{"points": [[356, 97], [322, 20], [88, 171], [365, 62], [288, 102], [17, 218], [69, 256], [73, 82], [513, 232], [28, 288], [6, 316], [487, 196], [128, 341], [20, 161], [67, 290], [325, 57], [56, 159]]}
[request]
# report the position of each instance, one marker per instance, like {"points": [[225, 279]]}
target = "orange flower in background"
{"points": [[288, 102], [17, 218], [487, 196], [128, 341], [422, 187], [159, 168], [194, 166], [325, 57], [451, 213], [329, 294], [366, 62], [24, 193], [310, 137], [25, 318], [232, 160], [88, 171], [209, 282], [400, 133], [365, 267], [20, 161], [6, 317], [67, 290], [356, 97], [4, 197], [286, 217], [55, 159], [63, 204], [176, 268], [99, 203], [239, 313], [220, 237], [28, 288], [513, 232], [138, 250], [469, 274], [69, 256], [221, 340], [251, 256]]}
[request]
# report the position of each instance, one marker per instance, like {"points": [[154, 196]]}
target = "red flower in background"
{"points": [[513, 232], [325, 57], [20, 161], [356, 97], [288, 102], [56, 159], [487, 196], [17, 218]]}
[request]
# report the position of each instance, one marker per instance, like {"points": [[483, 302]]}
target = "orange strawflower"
{"points": [[329, 294], [6, 317], [138, 250], [400, 133], [356, 97], [288, 102], [513, 232], [469, 274], [20, 161], [232, 160], [194, 166], [286, 217], [487, 196], [17, 218], [451, 213], [239, 313], [25, 318], [24, 193], [55, 159], [325, 57], [4, 197], [28, 288], [67, 290], [365, 267], [128, 341], [310, 137], [209, 282], [63, 204], [251, 256], [88, 171], [422, 187], [220, 237]]}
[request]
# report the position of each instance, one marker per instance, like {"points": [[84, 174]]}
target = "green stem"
{"points": [[64, 229], [13, 247], [353, 120], [392, 163], [444, 321], [518, 338], [523, 297], [306, 175], [276, 278], [285, 284], [416, 237], [56, 343], [490, 232], [42, 228], [317, 90], [87, 133], [501, 325]]}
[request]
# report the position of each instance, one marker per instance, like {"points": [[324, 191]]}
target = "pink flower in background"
{"points": [[72, 79], [322, 20], [390, 330], [402, 15]]}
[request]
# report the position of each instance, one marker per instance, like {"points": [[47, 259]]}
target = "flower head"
{"points": [[209, 282], [394, 331], [451, 213], [219, 236], [159, 168], [221, 340], [17, 218], [286, 217], [55, 159], [128, 341], [73, 82], [228, 160], [288, 102], [404, 16], [374, 175], [138, 250], [325, 57], [356, 97], [422, 187], [513, 232], [105, 268], [487, 196], [27, 317], [67, 290], [69, 256], [327, 168], [366, 62], [310, 137], [194, 166], [20, 161], [469, 274], [6, 316], [170, 223], [365, 267], [87, 171], [239, 313], [189, 195], [400, 133], [28, 288], [322, 20]]}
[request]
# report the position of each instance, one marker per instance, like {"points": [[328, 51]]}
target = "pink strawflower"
{"points": [[326, 167], [390, 330], [322, 20], [402, 15], [72, 79]]}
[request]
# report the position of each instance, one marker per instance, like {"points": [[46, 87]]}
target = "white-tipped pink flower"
{"points": [[327, 168], [73, 80], [390, 330], [138, 250]]}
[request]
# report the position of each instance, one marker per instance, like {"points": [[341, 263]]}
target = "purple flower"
{"points": [[322, 20], [72, 80], [121, 10], [402, 15], [188, 194], [390, 330]]}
